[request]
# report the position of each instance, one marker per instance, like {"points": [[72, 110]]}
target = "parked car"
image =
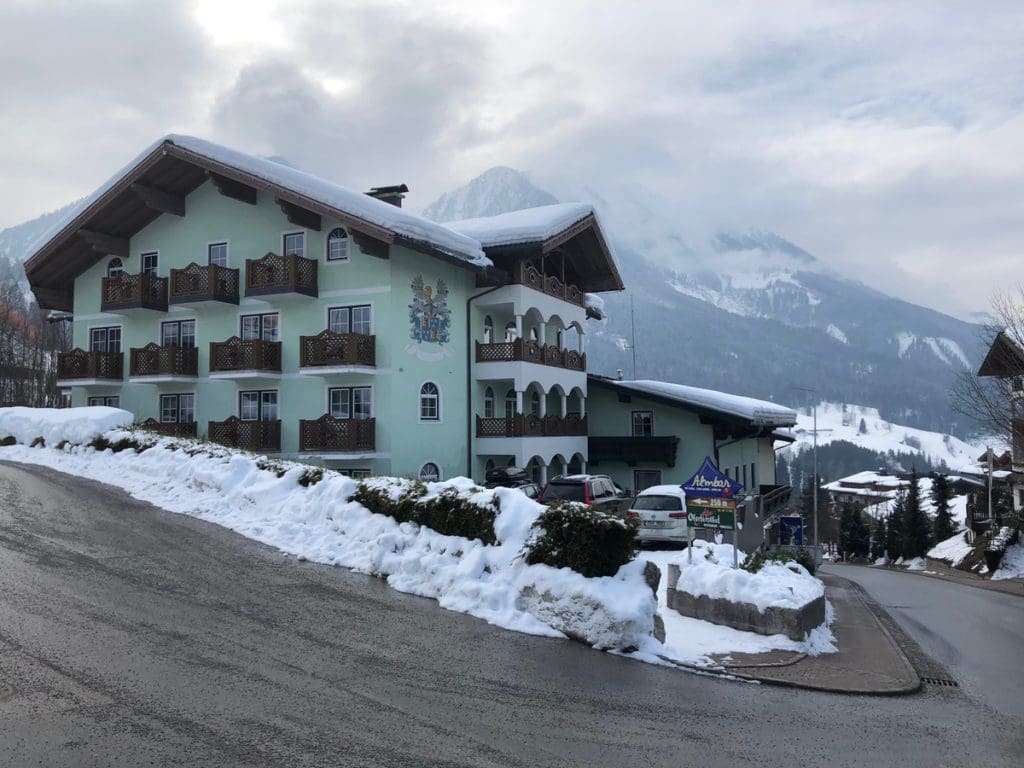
{"points": [[596, 490], [661, 511], [512, 477]]}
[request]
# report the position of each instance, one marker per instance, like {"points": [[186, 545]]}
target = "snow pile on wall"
{"points": [[318, 523], [953, 550], [1012, 564], [75, 425], [775, 585]]}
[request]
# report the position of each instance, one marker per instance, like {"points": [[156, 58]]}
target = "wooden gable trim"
{"points": [[371, 245], [103, 243], [159, 200], [568, 234], [233, 189], [299, 216]]}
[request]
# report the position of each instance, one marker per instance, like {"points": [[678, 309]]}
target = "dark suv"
{"points": [[512, 477], [595, 490]]}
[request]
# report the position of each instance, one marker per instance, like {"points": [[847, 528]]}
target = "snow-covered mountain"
{"points": [[749, 312], [15, 242]]}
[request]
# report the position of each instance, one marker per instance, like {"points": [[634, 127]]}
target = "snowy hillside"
{"points": [[864, 427], [16, 241]]}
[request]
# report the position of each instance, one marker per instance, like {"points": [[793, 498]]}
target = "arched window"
{"points": [[337, 245], [115, 267], [488, 330], [510, 331], [430, 402], [510, 404], [488, 403], [430, 472], [535, 403]]}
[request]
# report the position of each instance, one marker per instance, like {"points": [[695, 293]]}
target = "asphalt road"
{"points": [[130, 636], [977, 634]]}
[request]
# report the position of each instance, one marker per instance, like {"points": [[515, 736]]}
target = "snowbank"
{"points": [[318, 523], [917, 564], [953, 550], [775, 585], [1012, 564], [54, 425]]}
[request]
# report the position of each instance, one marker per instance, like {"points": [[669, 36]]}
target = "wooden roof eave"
{"points": [[1004, 358]]}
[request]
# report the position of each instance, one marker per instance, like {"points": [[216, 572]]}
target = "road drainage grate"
{"points": [[940, 681]]}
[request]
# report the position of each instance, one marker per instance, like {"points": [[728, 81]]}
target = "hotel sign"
{"points": [[711, 498]]}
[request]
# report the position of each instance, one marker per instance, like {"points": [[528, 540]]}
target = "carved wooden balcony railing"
{"points": [[252, 355], [531, 352], [140, 291], [528, 275], [79, 364], [197, 283], [154, 360], [528, 425], [256, 436], [329, 434], [280, 274], [328, 348], [634, 450], [171, 428]]}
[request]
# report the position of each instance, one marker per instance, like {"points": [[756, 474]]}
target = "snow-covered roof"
{"points": [[760, 412], [532, 225], [335, 196]]}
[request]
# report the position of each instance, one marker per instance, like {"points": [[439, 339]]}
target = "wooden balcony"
{"points": [[531, 352], [330, 435], [171, 428], [528, 425], [130, 292], [634, 450], [154, 360], [528, 275], [330, 349], [196, 284], [235, 355], [79, 364], [280, 274], [255, 436]]}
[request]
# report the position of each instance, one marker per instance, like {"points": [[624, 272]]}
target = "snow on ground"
{"points": [[694, 641], [836, 333], [957, 504], [1012, 564], [953, 550], [320, 524], [835, 423], [917, 564]]}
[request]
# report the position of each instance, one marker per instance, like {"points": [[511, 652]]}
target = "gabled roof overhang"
{"points": [[1005, 358]]}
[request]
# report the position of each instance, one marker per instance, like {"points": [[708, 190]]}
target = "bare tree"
{"points": [[987, 396]]}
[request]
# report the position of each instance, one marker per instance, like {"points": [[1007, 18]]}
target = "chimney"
{"points": [[393, 194]]}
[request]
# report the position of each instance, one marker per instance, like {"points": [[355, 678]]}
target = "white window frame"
{"points": [[436, 465], [120, 338], [177, 406], [350, 307], [347, 258], [351, 408], [259, 403], [261, 315], [227, 251], [489, 401], [636, 486], [195, 330], [156, 266], [291, 233], [632, 421], [118, 270], [105, 401], [437, 403]]}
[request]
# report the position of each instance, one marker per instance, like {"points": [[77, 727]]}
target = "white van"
{"points": [[661, 510]]}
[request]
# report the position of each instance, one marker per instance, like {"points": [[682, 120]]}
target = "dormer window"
{"points": [[337, 245], [295, 243], [115, 267]]}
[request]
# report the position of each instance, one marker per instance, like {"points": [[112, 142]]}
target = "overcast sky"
{"points": [[886, 138]]}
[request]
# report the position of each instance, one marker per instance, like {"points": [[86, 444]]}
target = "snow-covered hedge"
{"points": [[572, 535], [775, 584], [316, 515]]}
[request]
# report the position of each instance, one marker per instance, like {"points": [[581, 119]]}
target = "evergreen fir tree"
{"points": [[878, 539], [860, 538], [916, 534], [863, 429], [943, 527], [846, 530], [894, 525]]}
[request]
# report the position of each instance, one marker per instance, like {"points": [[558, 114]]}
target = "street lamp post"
{"points": [[814, 432]]}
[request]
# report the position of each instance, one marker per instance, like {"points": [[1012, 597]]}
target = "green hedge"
{"points": [[449, 513], [570, 535], [757, 560]]}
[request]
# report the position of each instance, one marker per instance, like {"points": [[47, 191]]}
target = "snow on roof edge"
{"points": [[527, 225], [762, 411]]}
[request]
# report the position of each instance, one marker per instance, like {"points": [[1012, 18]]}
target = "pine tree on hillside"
{"points": [[916, 535], [846, 530], [942, 526], [894, 525], [879, 537], [863, 429], [860, 543]]}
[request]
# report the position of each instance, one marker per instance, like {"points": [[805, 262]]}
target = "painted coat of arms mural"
{"points": [[429, 320]]}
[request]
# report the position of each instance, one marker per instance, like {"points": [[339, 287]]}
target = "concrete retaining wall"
{"points": [[795, 623]]}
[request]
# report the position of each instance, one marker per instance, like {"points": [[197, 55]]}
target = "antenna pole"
{"points": [[632, 325]]}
